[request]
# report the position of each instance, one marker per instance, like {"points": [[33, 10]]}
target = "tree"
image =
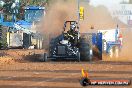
{"points": [[33, 2], [18, 11], [3, 42]]}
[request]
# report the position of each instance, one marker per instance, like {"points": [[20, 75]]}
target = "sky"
{"points": [[107, 3]]}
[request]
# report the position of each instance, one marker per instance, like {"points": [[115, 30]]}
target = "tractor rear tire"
{"points": [[84, 49]]}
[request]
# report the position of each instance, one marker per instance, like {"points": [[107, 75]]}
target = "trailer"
{"points": [[112, 41]]}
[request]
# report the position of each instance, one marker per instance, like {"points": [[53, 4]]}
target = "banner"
{"points": [[81, 13]]}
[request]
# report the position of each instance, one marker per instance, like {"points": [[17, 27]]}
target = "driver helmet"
{"points": [[73, 27]]}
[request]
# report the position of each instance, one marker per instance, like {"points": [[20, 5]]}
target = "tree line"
{"points": [[18, 10]]}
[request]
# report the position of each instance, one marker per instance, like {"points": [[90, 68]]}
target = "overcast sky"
{"points": [[107, 3]]}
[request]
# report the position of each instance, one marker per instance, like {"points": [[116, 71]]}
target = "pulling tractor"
{"points": [[70, 45]]}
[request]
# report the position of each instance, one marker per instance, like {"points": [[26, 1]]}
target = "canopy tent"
{"points": [[24, 24]]}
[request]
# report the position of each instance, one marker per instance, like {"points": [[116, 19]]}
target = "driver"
{"points": [[72, 33]]}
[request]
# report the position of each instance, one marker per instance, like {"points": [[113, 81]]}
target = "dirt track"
{"points": [[29, 73], [60, 74]]}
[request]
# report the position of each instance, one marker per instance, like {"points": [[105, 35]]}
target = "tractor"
{"points": [[70, 45]]}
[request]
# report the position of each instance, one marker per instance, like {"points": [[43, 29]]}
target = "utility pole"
{"points": [[78, 4]]}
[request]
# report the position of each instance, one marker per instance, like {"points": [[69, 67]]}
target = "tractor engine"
{"points": [[63, 48]]}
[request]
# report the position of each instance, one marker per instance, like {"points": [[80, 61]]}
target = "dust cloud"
{"points": [[99, 17], [57, 13], [62, 10], [126, 51]]}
